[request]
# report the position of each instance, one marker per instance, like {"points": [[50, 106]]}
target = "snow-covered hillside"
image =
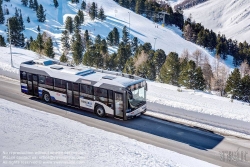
{"points": [[229, 17], [63, 142], [168, 38]]}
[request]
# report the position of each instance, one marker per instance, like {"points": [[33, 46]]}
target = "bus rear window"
{"points": [[23, 75]]}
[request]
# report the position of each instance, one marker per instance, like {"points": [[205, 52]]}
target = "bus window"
{"points": [[110, 99], [101, 95], [41, 79], [23, 77], [87, 91], [49, 81]]}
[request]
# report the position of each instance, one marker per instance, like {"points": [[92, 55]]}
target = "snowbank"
{"points": [[26, 130]]}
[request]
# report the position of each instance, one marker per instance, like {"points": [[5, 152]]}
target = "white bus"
{"points": [[104, 92]]}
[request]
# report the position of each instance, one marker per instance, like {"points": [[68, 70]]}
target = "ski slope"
{"points": [[62, 142], [229, 17], [168, 38]]}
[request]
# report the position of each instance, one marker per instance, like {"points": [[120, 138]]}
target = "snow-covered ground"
{"points": [[228, 17], [25, 131], [168, 38]]}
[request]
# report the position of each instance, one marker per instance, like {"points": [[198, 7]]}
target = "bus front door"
{"points": [[30, 84], [119, 106], [69, 94]]}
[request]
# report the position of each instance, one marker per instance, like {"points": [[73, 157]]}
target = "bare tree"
{"points": [[207, 72], [220, 76], [188, 33], [185, 54], [244, 69], [198, 57], [141, 58]]}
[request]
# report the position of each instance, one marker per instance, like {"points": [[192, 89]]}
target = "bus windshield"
{"points": [[137, 97]]}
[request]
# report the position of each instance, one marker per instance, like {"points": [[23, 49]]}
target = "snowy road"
{"points": [[182, 139]]}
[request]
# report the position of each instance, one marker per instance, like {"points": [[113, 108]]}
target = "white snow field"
{"points": [[229, 17], [169, 38], [27, 132]]}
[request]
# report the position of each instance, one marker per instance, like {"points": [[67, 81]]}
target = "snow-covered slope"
{"points": [[168, 38], [53, 139], [229, 17]]}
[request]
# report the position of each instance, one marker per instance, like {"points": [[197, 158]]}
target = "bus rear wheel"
{"points": [[99, 110], [46, 97]]}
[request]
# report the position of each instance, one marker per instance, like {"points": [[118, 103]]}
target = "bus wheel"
{"points": [[46, 97], [99, 110]]}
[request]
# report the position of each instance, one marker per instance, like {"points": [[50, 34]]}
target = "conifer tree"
{"points": [[81, 16], [101, 14], [24, 2], [2, 19], [77, 48], [125, 35], [83, 5], [158, 60], [116, 36], [122, 56], [17, 38], [87, 38], [111, 63], [56, 4], [134, 44], [39, 43], [41, 16], [187, 74], [65, 40], [31, 4], [245, 89], [38, 28], [199, 81], [63, 58], [2, 42], [104, 47], [98, 40], [130, 66], [169, 72], [139, 8], [233, 83], [110, 39], [77, 23], [132, 4], [35, 5], [28, 19], [69, 24], [48, 48], [93, 11]]}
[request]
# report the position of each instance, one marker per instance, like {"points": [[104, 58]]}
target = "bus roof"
{"points": [[82, 74]]}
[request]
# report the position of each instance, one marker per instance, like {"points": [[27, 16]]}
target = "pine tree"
{"points": [[77, 48], [48, 48], [83, 5], [65, 40], [116, 36], [104, 47], [93, 11], [31, 4], [39, 43], [110, 39], [28, 19], [86, 37], [130, 66], [63, 58], [81, 16], [2, 42], [169, 72], [158, 60], [139, 8], [56, 3], [132, 4], [77, 23], [111, 63], [98, 40], [69, 24], [134, 44], [35, 5], [17, 38], [233, 83], [199, 81], [24, 2], [187, 74], [41, 16], [245, 89], [20, 20], [125, 35], [38, 28], [101, 14], [2, 19], [122, 56]]}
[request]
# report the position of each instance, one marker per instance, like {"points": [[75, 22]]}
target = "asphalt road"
{"points": [[189, 141]]}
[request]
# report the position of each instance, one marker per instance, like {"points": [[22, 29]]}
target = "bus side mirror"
{"points": [[146, 87]]}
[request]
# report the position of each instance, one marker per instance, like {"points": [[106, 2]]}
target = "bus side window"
{"points": [[110, 98], [23, 77], [41, 79], [101, 94], [87, 91]]}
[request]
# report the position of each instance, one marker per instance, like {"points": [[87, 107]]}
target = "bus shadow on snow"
{"points": [[197, 138]]}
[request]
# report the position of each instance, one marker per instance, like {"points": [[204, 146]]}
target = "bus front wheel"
{"points": [[99, 110], [46, 97]]}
